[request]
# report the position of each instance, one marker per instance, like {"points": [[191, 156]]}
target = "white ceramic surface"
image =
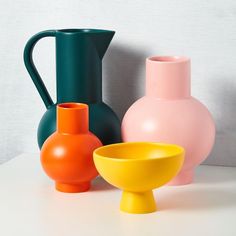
{"points": [[31, 206]]}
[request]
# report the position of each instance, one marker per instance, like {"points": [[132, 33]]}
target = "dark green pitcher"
{"points": [[79, 54]]}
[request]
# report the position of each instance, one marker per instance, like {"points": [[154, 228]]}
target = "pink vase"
{"points": [[168, 113]]}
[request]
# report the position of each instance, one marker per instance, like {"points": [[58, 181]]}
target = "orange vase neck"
{"points": [[72, 118]]}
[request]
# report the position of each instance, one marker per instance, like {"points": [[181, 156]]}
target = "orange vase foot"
{"points": [[73, 188]]}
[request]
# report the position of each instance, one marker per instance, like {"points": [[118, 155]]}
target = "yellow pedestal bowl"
{"points": [[138, 168]]}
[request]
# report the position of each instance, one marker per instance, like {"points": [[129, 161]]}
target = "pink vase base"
{"points": [[183, 178]]}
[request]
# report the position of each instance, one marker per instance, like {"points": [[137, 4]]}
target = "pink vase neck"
{"points": [[168, 77]]}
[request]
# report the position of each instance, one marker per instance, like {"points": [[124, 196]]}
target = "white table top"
{"points": [[29, 206]]}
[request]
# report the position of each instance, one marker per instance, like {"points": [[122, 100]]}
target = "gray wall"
{"points": [[202, 30]]}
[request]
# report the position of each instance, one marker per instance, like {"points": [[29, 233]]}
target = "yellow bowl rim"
{"points": [[181, 152]]}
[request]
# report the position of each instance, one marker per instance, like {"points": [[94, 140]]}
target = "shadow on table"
{"points": [[196, 200], [223, 152], [214, 175], [99, 184]]}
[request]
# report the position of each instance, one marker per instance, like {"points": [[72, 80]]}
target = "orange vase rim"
{"points": [[72, 105]]}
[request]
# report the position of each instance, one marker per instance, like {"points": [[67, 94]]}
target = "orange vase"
{"points": [[67, 155]]}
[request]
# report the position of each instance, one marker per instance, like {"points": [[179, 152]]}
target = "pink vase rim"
{"points": [[168, 77], [167, 59]]}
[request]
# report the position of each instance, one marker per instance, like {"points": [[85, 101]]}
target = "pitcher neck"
{"points": [[168, 77], [80, 83], [72, 118], [79, 67], [80, 89]]}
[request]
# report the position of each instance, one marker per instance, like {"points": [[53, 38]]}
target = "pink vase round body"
{"points": [[168, 113]]}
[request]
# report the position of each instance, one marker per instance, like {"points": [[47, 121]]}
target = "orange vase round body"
{"points": [[67, 155]]}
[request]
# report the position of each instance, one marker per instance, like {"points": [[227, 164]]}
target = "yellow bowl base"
{"points": [[138, 203]]}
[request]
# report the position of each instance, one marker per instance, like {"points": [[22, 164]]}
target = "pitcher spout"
{"points": [[101, 40]]}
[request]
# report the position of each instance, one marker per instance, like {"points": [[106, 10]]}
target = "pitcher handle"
{"points": [[29, 64]]}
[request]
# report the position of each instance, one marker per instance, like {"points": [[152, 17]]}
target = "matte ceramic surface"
{"points": [[168, 113], [137, 168], [67, 155], [79, 54]]}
